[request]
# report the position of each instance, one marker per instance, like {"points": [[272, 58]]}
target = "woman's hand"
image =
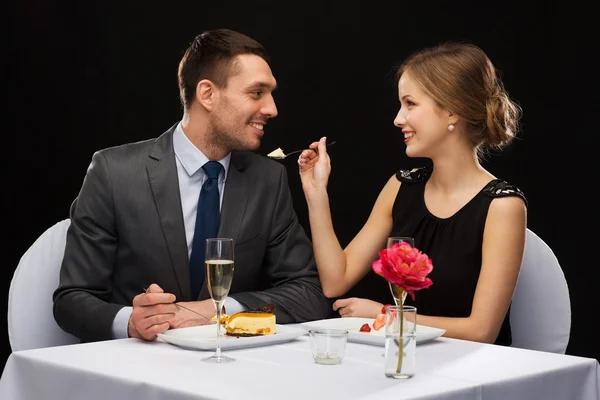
{"points": [[356, 307], [315, 167]]}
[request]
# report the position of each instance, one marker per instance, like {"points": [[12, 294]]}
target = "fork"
{"points": [[283, 156], [188, 309]]}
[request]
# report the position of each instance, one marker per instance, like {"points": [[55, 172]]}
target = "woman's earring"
{"points": [[451, 127]]}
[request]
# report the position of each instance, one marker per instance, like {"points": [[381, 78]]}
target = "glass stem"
{"points": [[218, 329], [398, 294]]}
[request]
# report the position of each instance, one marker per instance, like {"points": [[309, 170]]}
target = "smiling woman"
{"points": [[471, 224]]}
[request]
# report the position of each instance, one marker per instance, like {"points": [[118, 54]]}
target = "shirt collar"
{"points": [[191, 157]]}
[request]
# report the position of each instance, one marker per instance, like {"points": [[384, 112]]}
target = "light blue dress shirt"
{"points": [[191, 176]]}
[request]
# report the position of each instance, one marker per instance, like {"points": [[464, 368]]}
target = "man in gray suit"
{"points": [[132, 224]]}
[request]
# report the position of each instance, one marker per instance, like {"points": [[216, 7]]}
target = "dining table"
{"points": [[446, 368]]}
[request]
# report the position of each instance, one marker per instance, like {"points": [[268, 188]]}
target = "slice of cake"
{"points": [[277, 153], [251, 323]]}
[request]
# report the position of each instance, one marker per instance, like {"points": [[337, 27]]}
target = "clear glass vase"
{"points": [[400, 342]]}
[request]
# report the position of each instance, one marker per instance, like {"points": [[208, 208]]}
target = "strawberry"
{"points": [[379, 322], [365, 328], [384, 308]]}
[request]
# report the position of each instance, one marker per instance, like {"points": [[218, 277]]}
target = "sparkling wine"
{"points": [[220, 275]]}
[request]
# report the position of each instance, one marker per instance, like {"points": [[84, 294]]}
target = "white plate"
{"points": [[205, 337], [377, 338]]}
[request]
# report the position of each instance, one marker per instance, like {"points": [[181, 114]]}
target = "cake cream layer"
{"points": [[251, 324], [277, 153]]}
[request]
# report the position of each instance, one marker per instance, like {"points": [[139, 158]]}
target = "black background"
{"points": [[81, 76]]}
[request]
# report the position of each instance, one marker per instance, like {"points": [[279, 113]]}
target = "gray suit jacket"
{"points": [[127, 232]]}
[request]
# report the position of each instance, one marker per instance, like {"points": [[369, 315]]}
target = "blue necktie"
{"points": [[207, 224]]}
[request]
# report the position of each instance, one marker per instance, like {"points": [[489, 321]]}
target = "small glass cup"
{"points": [[400, 349], [328, 345]]}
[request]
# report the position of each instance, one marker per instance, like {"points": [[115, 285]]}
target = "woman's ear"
{"points": [[452, 120]]}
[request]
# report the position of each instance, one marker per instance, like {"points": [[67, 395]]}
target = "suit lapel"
{"points": [[234, 199], [234, 204], [162, 174]]}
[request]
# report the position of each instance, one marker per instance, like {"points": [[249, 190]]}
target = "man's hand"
{"points": [[184, 318], [151, 314], [356, 307]]}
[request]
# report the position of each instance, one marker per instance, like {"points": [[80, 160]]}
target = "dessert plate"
{"points": [[376, 338], [205, 337]]}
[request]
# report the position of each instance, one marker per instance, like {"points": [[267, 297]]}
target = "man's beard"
{"points": [[222, 137], [221, 132]]}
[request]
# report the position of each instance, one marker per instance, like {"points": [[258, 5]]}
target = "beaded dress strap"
{"points": [[500, 188], [414, 175]]}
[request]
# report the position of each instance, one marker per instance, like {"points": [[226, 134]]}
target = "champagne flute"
{"points": [[399, 239], [399, 299], [219, 274]]}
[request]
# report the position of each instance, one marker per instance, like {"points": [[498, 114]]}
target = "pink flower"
{"points": [[405, 267]]}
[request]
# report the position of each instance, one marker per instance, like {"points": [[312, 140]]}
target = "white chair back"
{"points": [[540, 315], [31, 321]]}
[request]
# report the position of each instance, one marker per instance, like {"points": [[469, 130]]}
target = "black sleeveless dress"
{"points": [[453, 244]]}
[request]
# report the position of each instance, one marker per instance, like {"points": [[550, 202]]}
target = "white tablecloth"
{"points": [[446, 369]]}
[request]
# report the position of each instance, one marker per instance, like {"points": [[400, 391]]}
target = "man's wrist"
{"points": [[121, 323], [131, 330]]}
